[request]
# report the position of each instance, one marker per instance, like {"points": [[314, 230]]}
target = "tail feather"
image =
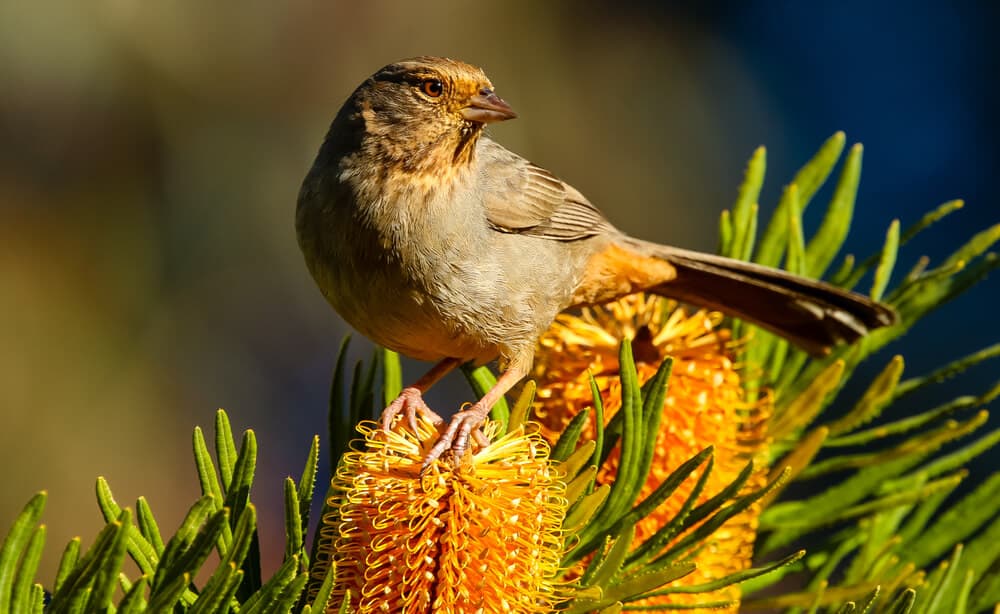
{"points": [[811, 314]]}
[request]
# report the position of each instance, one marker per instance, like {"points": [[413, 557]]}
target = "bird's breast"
{"points": [[403, 271]]}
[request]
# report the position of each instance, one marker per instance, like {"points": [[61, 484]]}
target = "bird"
{"points": [[435, 241]]}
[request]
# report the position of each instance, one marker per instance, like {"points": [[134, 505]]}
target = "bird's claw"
{"points": [[463, 424], [411, 403]]}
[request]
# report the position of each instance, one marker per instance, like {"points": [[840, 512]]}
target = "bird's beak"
{"points": [[486, 107]]}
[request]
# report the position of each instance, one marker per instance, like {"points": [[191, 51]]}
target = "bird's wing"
{"points": [[523, 198]]}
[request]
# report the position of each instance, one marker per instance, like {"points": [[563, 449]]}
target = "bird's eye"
{"points": [[432, 87]]}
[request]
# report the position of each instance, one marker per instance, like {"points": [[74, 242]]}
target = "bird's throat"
{"points": [[437, 158], [465, 150]]}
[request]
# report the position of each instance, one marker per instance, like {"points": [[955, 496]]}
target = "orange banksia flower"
{"points": [[482, 535], [705, 405]]}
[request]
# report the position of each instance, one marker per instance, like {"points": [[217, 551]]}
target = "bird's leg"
{"points": [[411, 401], [467, 422]]}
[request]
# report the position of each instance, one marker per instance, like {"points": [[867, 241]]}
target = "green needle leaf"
{"points": [[182, 539], [290, 593], [264, 599], [827, 241], [109, 565], [877, 397], [599, 449], [986, 592], [685, 517], [68, 561], [886, 262], [947, 372], [225, 447], [192, 554], [903, 603], [569, 437], [340, 427], [78, 585], [981, 551], [23, 597], [631, 588], [293, 520], [134, 601], [813, 175], [843, 272], [636, 585], [808, 181], [961, 457], [578, 520], [744, 210], [976, 246], [772, 244], [956, 523], [141, 551], [581, 484], [322, 599], [940, 597], [219, 590], [244, 536], [392, 376], [719, 518], [964, 592], [207, 476], [663, 491], [929, 218], [237, 500], [795, 258], [735, 578], [576, 461], [627, 482], [164, 599], [307, 482], [362, 398], [798, 459], [238, 494], [725, 233], [654, 393], [611, 563], [147, 525], [903, 425], [37, 603], [519, 413], [805, 406], [14, 544]]}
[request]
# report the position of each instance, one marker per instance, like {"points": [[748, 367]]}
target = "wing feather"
{"points": [[523, 198]]}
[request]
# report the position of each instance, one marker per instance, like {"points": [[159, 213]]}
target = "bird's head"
{"points": [[423, 111], [439, 90]]}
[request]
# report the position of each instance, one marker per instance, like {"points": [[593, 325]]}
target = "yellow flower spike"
{"points": [[704, 406], [479, 535]]}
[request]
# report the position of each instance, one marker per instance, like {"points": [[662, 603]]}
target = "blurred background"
{"points": [[150, 156]]}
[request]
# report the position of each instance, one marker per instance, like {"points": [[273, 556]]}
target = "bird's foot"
{"points": [[410, 402], [463, 425]]}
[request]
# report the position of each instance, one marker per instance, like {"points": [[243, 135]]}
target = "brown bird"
{"points": [[436, 242]]}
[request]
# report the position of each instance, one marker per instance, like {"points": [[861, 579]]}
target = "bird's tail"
{"points": [[811, 314]]}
